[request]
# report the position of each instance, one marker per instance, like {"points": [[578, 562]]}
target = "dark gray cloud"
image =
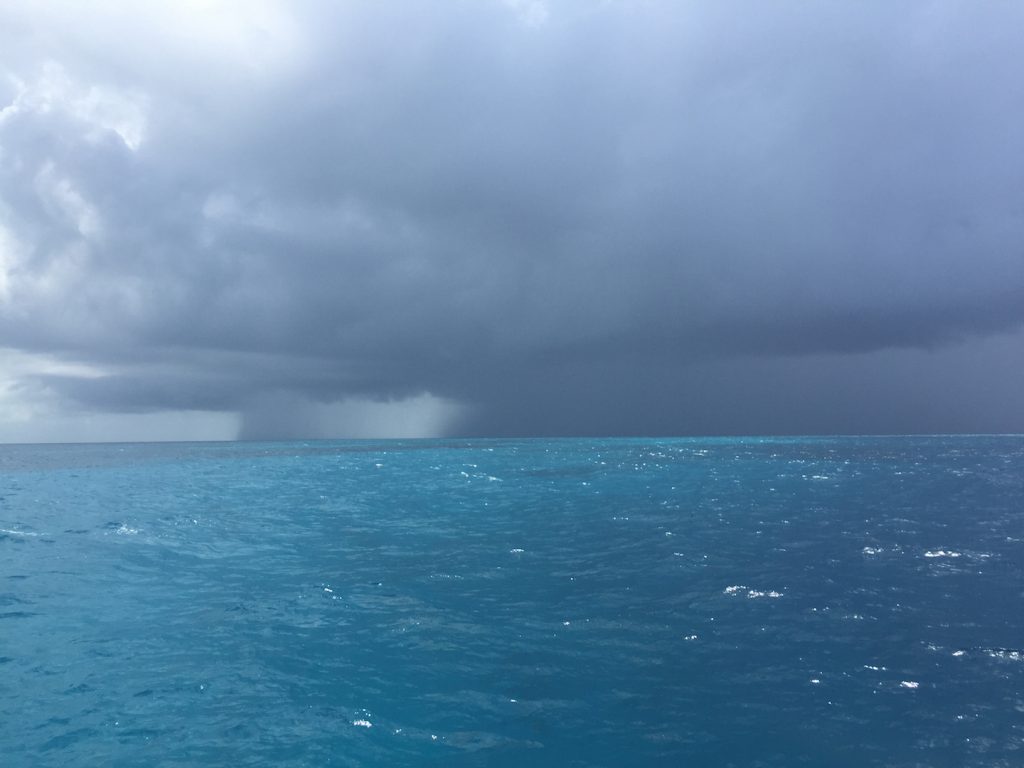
{"points": [[619, 217]]}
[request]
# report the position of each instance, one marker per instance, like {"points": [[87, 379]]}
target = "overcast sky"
{"points": [[266, 219]]}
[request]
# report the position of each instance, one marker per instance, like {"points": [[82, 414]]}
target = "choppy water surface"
{"points": [[747, 602]]}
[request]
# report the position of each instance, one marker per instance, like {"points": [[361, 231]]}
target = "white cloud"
{"points": [[260, 35], [9, 254], [101, 109], [532, 13], [31, 413], [166, 40], [56, 427], [63, 200], [23, 403], [221, 205]]}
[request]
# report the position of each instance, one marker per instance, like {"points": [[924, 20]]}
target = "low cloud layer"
{"points": [[309, 219]]}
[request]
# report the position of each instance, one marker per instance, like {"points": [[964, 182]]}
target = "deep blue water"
{"points": [[692, 602]]}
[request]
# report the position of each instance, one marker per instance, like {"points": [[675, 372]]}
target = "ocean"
{"points": [[850, 601]]}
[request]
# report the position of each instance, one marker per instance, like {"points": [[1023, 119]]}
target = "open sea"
{"points": [[580, 602]]}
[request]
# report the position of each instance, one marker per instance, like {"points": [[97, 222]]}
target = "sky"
{"points": [[298, 219]]}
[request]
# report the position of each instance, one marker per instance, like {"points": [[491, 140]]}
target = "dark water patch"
{"points": [[69, 738]]}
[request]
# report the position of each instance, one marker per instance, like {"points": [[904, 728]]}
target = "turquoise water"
{"points": [[745, 602]]}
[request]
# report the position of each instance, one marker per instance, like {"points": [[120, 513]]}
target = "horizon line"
{"points": [[751, 436]]}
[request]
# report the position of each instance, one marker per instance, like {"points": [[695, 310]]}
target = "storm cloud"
{"points": [[313, 219]]}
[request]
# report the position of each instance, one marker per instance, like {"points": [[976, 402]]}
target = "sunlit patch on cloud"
{"points": [[23, 400], [32, 411], [8, 262], [533, 13], [99, 109], [260, 35], [63, 201]]}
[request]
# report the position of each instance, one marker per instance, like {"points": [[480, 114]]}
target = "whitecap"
{"points": [[1005, 653], [911, 684], [736, 589], [362, 723], [942, 553]]}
